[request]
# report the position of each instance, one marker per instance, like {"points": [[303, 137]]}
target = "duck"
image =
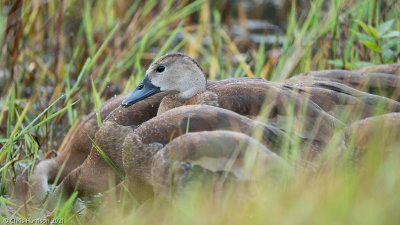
{"points": [[381, 80], [81, 146], [185, 83]]}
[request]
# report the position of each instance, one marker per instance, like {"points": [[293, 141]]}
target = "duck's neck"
{"points": [[169, 102]]}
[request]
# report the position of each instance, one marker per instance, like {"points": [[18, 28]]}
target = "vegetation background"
{"points": [[59, 60]]}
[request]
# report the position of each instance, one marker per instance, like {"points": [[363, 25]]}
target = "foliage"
{"points": [[53, 52]]}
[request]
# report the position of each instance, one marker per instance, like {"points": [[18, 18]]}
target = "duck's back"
{"points": [[195, 118], [383, 80], [241, 95]]}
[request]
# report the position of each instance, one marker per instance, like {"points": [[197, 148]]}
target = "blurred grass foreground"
{"points": [[59, 59]]}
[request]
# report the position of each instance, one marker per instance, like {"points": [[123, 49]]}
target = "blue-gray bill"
{"points": [[144, 90]]}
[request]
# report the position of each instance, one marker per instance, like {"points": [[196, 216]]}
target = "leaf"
{"points": [[363, 26], [88, 26], [373, 32], [361, 64], [391, 44], [63, 208], [387, 56], [187, 125], [260, 59], [392, 34], [97, 102], [368, 29], [336, 62], [6, 165], [384, 27], [171, 38], [103, 45], [28, 127], [363, 37], [372, 46]]}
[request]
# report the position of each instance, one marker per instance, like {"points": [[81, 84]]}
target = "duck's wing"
{"points": [[195, 118], [383, 84], [243, 97], [211, 83], [393, 69], [278, 105], [211, 156], [137, 113], [343, 102]]}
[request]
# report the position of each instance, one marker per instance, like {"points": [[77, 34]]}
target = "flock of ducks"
{"points": [[177, 122]]}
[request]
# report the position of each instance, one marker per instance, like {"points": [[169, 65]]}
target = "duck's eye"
{"points": [[160, 69], [140, 86]]}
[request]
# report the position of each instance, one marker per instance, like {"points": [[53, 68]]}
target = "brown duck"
{"points": [[183, 80], [79, 145]]}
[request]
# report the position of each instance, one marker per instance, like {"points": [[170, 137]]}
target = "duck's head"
{"points": [[176, 73]]}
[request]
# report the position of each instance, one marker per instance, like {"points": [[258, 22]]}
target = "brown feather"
{"points": [[393, 69], [384, 84], [343, 102]]}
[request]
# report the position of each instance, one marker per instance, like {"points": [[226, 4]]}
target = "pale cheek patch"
{"points": [[158, 82]]}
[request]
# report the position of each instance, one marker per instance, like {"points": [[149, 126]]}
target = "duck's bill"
{"points": [[144, 90]]}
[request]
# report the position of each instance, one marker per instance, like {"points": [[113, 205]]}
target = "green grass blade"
{"points": [[107, 159], [97, 103]]}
